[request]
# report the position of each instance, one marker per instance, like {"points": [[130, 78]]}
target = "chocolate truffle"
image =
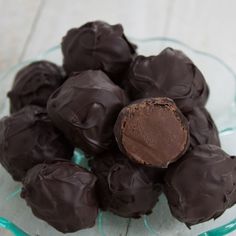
{"points": [[98, 46], [34, 84], [85, 108], [202, 185], [62, 194], [124, 188], [170, 74], [202, 128], [152, 131], [27, 138]]}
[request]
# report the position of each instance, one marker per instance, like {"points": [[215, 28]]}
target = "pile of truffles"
{"points": [[141, 121]]}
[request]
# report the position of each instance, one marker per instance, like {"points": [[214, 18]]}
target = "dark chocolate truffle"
{"points": [[152, 131], [170, 74], [85, 108], [62, 194], [34, 84], [202, 185], [202, 128], [27, 138], [98, 46], [124, 188]]}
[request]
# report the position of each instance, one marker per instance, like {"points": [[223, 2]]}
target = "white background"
{"points": [[29, 27]]}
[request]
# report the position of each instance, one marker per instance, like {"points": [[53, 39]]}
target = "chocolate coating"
{"points": [[98, 46], [170, 74], [62, 194], [202, 185], [152, 131], [85, 108], [28, 138], [34, 84], [202, 128], [124, 188]]}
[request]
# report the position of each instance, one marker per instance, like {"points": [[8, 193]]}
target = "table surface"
{"points": [[28, 28]]}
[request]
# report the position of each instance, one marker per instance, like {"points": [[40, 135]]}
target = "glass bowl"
{"points": [[222, 106]]}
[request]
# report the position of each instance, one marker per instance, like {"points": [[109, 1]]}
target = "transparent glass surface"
{"points": [[222, 106]]}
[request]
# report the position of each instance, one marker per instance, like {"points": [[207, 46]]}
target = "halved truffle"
{"points": [[152, 132]]}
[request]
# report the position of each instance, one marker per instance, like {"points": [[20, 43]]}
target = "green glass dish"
{"points": [[223, 109]]}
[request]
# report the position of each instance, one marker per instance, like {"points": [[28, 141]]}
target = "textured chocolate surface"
{"points": [[34, 83], [85, 108], [124, 188], [170, 74], [27, 138], [152, 131], [202, 128], [62, 194], [202, 185], [98, 46]]}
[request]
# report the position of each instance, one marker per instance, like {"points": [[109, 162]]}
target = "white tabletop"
{"points": [[28, 28]]}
